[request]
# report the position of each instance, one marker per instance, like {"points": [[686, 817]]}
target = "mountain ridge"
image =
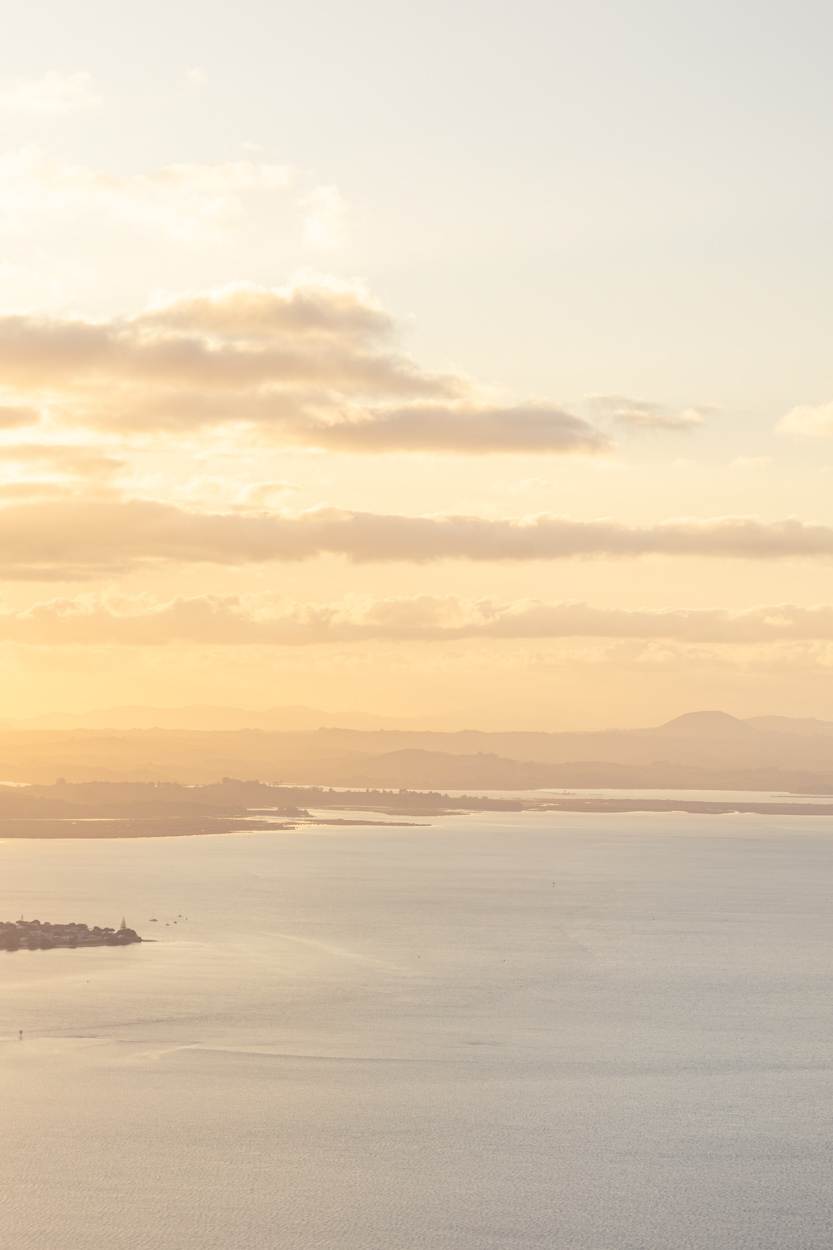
{"points": [[706, 749]]}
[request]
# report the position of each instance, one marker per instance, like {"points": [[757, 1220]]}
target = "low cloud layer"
{"points": [[457, 427], [14, 417], [239, 621], [73, 538], [312, 366], [64, 460]]}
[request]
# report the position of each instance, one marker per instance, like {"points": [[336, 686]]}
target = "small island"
{"points": [[40, 935]]}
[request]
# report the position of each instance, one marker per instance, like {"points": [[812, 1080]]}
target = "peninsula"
{"points": [[146, 809], [39, 935]]}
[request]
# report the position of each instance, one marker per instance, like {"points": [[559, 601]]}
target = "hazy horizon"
{"points": [[705, 751], [300, 718]]}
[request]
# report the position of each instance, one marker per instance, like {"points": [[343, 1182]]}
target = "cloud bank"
{"points": [[80, 537], [214, 620], [64, 460], [13, 417], [309, 366]]}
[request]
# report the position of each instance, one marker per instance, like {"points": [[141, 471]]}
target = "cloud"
{"points": [[51, 94], [42, 354], [641, 414], [308, 365], [31, 489], [11, 417], [73, 538], [248, 312], [188, 201], [64, 459], [239, 621], [808, 420], [455, 427]]}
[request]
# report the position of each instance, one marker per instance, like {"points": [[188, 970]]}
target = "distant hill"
{"points": [[804, 727], [694, 723], [702, 750], [432, 769]]}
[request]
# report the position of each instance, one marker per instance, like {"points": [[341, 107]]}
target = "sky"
{"points": [[467, 362]]}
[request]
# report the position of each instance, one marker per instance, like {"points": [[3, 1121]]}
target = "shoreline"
{"points": [[415, 817]]}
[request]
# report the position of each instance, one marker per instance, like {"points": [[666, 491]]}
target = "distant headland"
{"points": [[137, 809], [40, 935]]}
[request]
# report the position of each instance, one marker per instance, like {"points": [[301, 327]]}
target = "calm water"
{"points": [[580, 1033]]}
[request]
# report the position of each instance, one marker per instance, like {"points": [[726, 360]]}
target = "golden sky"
{"points": [[375, 375]]}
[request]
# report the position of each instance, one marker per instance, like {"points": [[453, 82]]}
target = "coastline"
{"points": [[402, 814]]}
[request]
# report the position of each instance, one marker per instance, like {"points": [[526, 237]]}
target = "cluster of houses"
{"points": [[38, 935]]}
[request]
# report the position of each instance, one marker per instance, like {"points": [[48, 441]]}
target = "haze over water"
{"points": [[590, 1033]]}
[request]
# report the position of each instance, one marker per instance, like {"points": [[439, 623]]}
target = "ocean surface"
{"points": [[571, 1032]]}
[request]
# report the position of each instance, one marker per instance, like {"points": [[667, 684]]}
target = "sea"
{"points": [[491, 1032]]}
